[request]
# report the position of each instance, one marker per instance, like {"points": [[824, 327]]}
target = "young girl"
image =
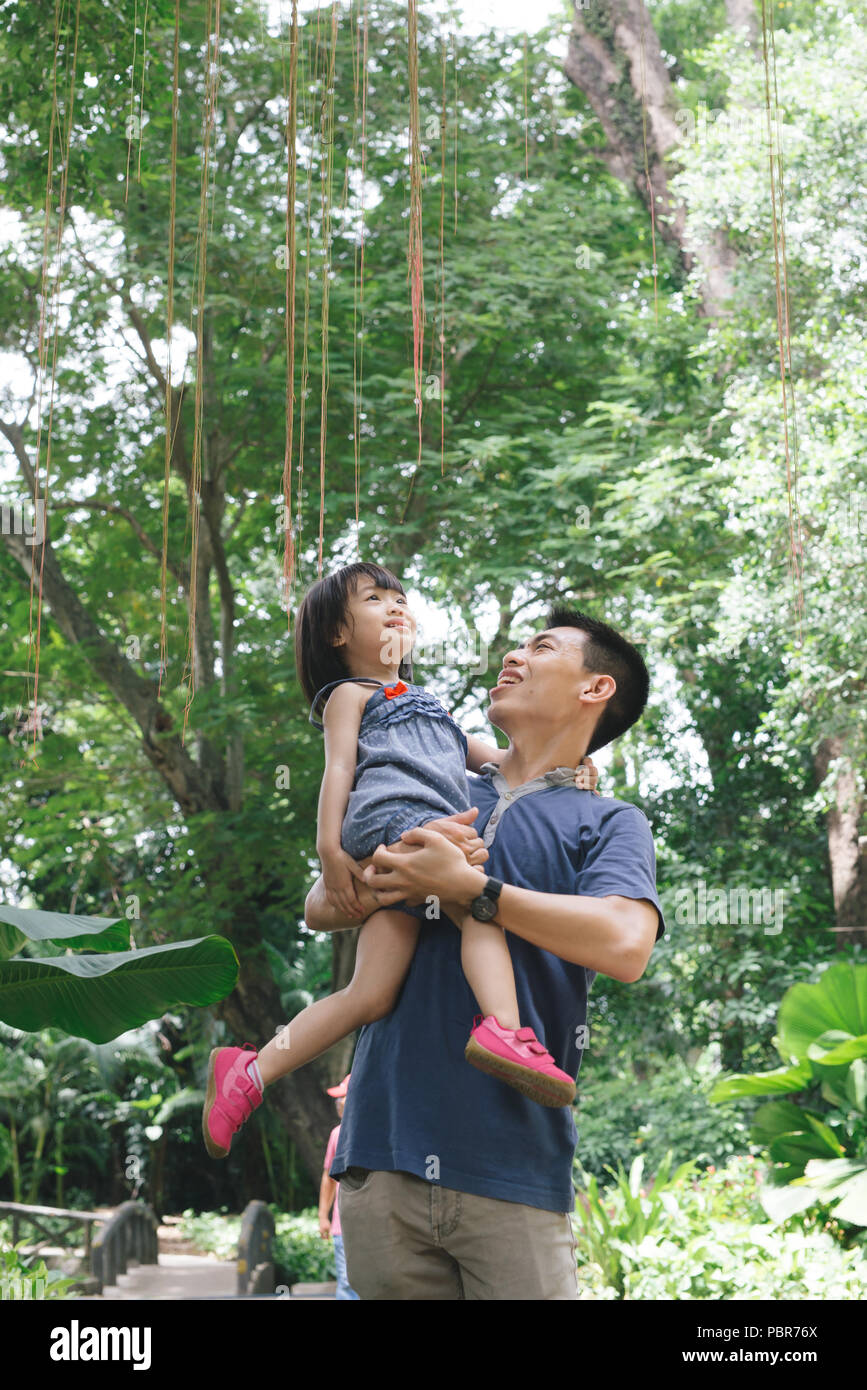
{"points": [[394, 759]]}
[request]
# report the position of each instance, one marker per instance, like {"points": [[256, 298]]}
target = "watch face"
{"points": [[483, 909]]}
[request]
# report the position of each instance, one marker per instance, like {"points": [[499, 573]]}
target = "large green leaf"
{"points": [[836, 1048], [842, 1178], [70, 929], [798, 1149], [100, 997], [782, 1202], [838, 1002], [11, 940], [856, 1084], [776, 1118], [825, 1133], [763, 1084]]}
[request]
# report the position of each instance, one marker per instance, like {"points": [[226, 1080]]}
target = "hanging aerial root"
{"points": [[212, 83], [326, 170], [415, 247], [49, 314], [781, 282], [650, 194], [171, 423], [291, 270]]}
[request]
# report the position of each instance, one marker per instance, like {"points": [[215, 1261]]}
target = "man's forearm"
{"points": [[613, 936]]}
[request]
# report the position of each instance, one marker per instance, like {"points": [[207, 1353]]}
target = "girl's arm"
{"points": [[479, 752], [327, 1193], [341, 722]]}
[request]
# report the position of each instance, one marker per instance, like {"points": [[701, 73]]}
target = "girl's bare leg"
{"points": [[487, 965], [386, 944]]}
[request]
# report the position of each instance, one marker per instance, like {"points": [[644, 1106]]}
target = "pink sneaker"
{"points": [[516, 1056], [231, 1099]]}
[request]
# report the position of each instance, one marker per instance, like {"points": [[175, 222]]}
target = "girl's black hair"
{"points": [[322, 613]]}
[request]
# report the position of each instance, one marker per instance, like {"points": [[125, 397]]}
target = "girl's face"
{"points": [[379, 630]]}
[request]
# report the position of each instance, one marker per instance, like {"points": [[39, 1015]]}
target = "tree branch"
{"points": [[15, 434], [615, 59], [191, 789], [97, 504]]}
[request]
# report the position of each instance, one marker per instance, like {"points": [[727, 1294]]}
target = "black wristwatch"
{"points": [[484, 907]]}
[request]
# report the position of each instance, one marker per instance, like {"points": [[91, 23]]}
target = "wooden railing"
{"points": [[255, 1251], [130, 1235], [34, 1216]]}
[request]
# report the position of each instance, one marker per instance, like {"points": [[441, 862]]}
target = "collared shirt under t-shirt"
{"points": [[415, 1104]]}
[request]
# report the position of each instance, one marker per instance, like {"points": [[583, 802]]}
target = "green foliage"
{"points": [[593, 452], [300, 1253], [5, 1149], [66, 930], [666, 1108], [24, 1277], [212, 1232], [100, 997], [820, 1153], [709, 1241], [607, 1233]]}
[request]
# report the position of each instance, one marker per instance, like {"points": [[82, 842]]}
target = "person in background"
{"points": [[329, 1227]]}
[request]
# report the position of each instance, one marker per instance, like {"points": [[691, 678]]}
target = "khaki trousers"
{"points": [[406, 1238]]}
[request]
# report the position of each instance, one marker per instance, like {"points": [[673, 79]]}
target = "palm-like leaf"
{"points": [[100, 997], [69, 929]]}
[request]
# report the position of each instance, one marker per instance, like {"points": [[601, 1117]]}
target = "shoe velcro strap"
{"points": [[526, 1035], [237, 1106], [231, 1110]]}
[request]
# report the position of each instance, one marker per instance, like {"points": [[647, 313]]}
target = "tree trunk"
{"points": [[615, 59], [253, 1010], [847, 848], [741, 14]]}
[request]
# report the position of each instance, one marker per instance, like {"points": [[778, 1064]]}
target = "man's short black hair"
{"points": [[606, 653]]}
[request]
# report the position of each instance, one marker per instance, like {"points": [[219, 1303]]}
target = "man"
{"points": [[453, 1185]]}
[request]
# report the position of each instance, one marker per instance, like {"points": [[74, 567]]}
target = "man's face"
{"points": [[544, 679]]}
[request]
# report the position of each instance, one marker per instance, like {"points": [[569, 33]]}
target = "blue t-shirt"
{"points": [[414, 1103]]}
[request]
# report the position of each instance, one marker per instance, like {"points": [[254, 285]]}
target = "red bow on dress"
{"points": [[392, 690]]}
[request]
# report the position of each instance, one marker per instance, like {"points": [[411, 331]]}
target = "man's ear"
{"points": [[600, 688]]}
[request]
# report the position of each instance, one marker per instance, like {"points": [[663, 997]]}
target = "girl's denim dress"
{"points": [[411, 768]]}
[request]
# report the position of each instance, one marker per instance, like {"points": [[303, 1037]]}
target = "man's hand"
{"points": [[460, 830], [325, 1227], [436, 866]]}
